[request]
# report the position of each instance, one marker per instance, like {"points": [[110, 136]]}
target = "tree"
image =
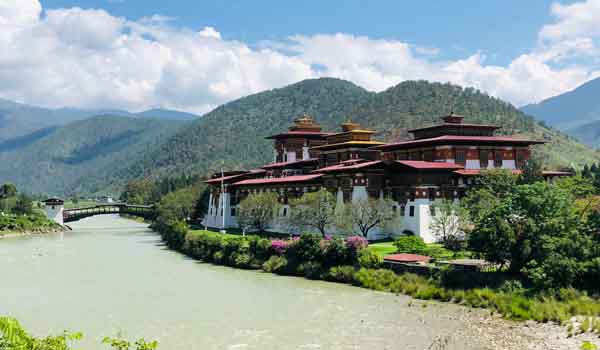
{"points": [[23, 205], [365, 214], [528, 227], [577, 185], [448, 224], [315, 209], [532, 172], [256, 211], [176, 206], [8, 190]]}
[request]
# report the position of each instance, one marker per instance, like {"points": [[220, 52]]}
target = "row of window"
{"points": [[284, 212], [460, 157]]}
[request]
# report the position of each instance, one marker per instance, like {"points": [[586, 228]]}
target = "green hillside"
{"points": [[233, 135], [82, 156], [101, 154]]}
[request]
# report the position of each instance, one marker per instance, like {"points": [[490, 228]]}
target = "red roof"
{"points": [[284, 164], [224, 179], [273, 180], [474, 172], [458, 139], [406, 258], [347, 166], [470, 126], [300, 134], [420, 164]]}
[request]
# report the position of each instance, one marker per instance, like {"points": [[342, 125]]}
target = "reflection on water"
{"points": [[110, 274]]}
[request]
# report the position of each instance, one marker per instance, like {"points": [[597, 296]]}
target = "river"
{"points": [[113, 275]]}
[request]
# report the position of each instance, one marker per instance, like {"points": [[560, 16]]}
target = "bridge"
{"points": [[144, 211]]}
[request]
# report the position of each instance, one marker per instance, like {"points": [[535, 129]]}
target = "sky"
{"points": [[194, 55]]}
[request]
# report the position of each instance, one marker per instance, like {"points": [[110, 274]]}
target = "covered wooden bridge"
{"points": [[144, 211]]}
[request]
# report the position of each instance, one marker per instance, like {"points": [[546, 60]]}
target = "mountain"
{"points": [[82, 156], [101, 154], [233, 135], [571, 109], [19, 122], [167, 114], [588, 133]]}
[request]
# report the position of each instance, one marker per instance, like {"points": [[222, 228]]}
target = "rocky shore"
{"points": [[11, 234], [492, 332]]}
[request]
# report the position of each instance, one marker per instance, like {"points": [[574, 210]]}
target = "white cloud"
{"points": [[90, 58], [576, 20]]}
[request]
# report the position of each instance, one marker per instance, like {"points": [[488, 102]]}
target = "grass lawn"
{"points": [[213, 233], [383, 248]]}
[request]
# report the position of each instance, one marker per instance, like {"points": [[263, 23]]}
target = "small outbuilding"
{"points": [[405, 258], [54, 207]]}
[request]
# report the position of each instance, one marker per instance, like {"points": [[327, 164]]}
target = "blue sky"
{"points": [[195, 55], [502, 29]]}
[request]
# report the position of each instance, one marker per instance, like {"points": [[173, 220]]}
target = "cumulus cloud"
{"points": [[90, 58]]}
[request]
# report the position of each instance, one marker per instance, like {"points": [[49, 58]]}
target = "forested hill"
{"points": [[82, 156], [233, 135]]}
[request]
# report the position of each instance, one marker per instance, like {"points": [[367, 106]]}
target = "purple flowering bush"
{"points": [[279, 246], [357, 242]]}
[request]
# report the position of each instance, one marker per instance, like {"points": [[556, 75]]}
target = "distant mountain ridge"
{"points": [[19, 120], [82, 156], [571, 109]]}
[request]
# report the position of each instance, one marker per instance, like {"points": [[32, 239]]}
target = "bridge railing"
{"points": [[74, 214]]}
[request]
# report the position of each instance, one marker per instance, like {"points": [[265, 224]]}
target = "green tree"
{"points": [[23, 205], [526, 227], [256, 211], [176, 206], [315, 210], [8, 190], [365, 214], [578, 186], [532, 172]]}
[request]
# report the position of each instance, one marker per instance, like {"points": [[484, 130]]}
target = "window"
{"points": [[483, 158], [232, 211], [460, 157], [284, 211], [411, 210], [498, 159]]}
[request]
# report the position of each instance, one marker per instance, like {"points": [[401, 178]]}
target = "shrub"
{"points": [[242, 260], [306, 249], [344, 274], [279, 246], [275, 264], [381, 280], [311, 269], [410, 244], [335, 252], [369, 259], [357, 242]]}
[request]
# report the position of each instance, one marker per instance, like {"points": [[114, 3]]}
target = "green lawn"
{"points": [[383, 248], [213, 233]]}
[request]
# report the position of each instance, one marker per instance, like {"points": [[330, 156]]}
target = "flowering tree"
{"points": [[314, 209], [447, 223], [256, 211], [365, 214]]}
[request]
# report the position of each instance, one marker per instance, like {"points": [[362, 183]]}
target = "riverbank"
{"points": [[316, 259], [39, 231], [140, 288]]}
